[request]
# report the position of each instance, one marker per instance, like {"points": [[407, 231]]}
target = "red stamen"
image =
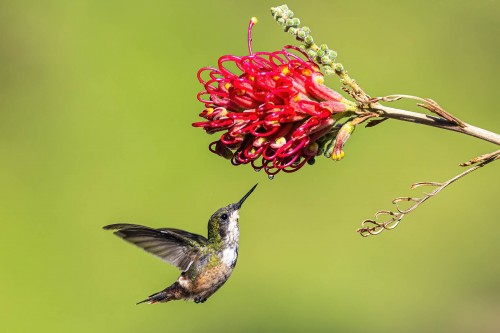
{"points": [[253, 20]]}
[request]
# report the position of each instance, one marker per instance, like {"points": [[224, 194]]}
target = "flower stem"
{"points": [[419, 118]]}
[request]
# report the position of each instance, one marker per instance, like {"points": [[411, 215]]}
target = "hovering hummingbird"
{"points": [[206, 264]]}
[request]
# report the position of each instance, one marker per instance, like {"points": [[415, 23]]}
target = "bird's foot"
{"points": [[199, 299]]}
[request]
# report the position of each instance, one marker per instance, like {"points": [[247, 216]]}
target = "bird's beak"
{"points": [[238, 205]]}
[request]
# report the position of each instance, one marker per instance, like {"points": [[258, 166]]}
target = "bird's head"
{"points": [[224, 222]]}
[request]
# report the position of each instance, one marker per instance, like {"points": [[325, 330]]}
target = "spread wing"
{"points": [[178, 247]]}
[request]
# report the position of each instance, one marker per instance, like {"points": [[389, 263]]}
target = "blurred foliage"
{"points": [[96, 102]]}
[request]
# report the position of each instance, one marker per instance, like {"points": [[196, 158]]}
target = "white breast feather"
{"points": [[230, 253]]}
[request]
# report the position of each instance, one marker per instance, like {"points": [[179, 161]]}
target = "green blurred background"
{"points": [[96, 104]]}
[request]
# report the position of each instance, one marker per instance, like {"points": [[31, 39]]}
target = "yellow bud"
{"points": [[259, 141], [280, 141], [306, 72], [338, 157], [320, 79]]}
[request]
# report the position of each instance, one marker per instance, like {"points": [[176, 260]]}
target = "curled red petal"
{"points": [[317, 89]]}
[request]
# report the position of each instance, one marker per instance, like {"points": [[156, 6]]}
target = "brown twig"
{"points": [[428, 104], [419, 118], [481, 158], [373, 226]]}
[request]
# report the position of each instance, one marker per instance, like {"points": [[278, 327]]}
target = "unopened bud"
{"points": [[343, 135], [309, 40]]}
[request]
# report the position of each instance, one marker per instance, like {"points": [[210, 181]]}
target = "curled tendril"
{"points": [[393, 217]]}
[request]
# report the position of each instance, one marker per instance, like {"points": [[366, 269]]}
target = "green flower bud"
{"points": [[311, 53], [328, 70], [325, 60], [301, 34]]}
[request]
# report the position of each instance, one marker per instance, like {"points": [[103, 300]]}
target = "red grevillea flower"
{"points": [[272, 108]]}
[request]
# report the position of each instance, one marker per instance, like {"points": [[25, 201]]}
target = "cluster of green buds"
{"points": [[321, 54]]}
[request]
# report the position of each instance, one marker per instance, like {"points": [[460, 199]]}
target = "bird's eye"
{"points": [[224, 217]]}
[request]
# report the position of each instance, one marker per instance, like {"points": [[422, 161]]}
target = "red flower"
{"points": [[272, 108]]}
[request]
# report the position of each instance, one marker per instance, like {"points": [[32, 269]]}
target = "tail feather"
{"points": [[162, 296], [172, 293]]}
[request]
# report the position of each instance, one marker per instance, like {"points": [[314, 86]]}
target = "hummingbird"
{"points": [[206, 263]]}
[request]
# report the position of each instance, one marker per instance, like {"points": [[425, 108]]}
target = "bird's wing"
{"points": [[178, 247]]}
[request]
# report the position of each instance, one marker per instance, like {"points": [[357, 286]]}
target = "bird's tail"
{"points": [[162, 296], [171, 293]]}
